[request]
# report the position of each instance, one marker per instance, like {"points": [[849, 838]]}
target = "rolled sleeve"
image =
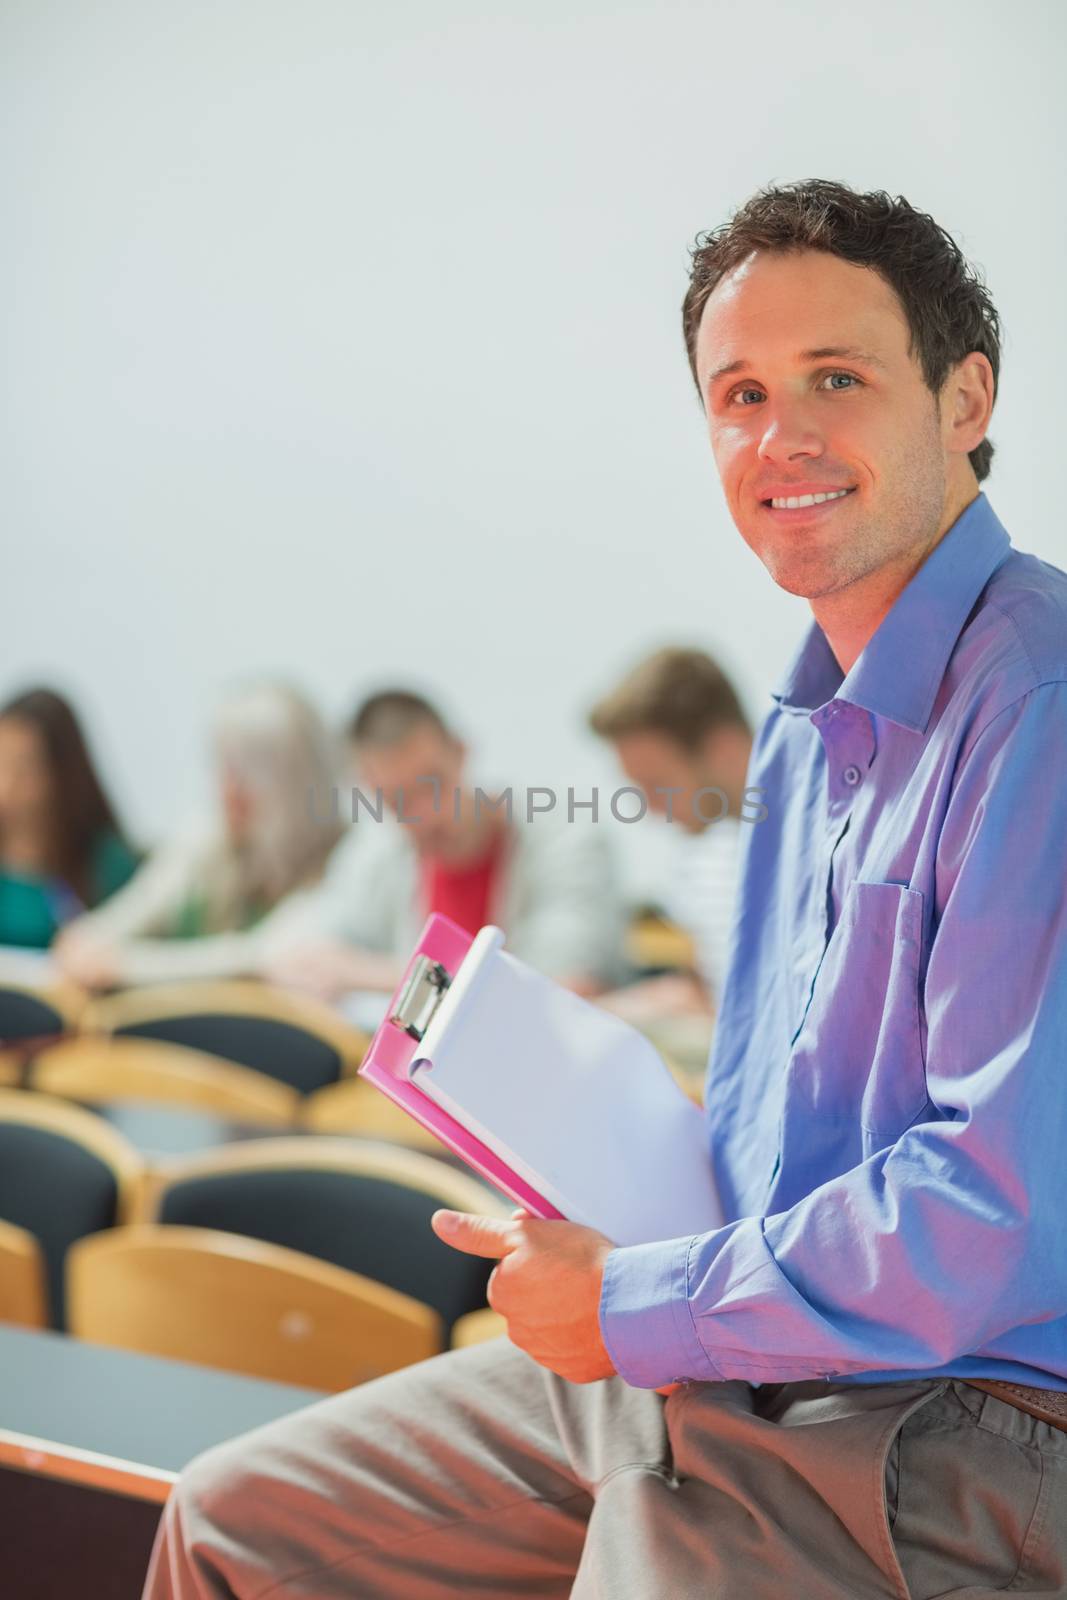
{"points": [[645, 1316]]}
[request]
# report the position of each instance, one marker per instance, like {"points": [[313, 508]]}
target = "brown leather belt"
{"points": [[1050, 1405]]}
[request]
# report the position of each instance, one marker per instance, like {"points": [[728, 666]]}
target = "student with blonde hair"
{"points": [[203, 902]]}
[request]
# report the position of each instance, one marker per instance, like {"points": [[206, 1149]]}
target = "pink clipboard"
{"points": [[434, 963]]}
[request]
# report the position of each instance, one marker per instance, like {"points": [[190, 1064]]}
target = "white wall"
{"points": [[342, 339]]}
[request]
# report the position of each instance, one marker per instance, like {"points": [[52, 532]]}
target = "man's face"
{"points": [[792, 419], [654, 762], [412, 774]]}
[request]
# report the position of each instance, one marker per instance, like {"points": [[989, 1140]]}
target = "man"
{"points": [[677, 727], [886, 1096], [424, 840]]}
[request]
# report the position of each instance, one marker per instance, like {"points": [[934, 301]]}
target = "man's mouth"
{"points": [[788, 504]]}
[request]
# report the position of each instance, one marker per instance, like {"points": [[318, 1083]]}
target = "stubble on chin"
{"points": [[811, 574]]}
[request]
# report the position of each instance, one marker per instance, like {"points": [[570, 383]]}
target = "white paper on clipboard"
{"points": [[574, 1099]]}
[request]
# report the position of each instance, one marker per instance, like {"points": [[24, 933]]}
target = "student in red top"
{"points": [[443, 845], [463, 890]]}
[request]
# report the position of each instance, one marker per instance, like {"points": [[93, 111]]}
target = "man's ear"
{"points": [[967, 403]]}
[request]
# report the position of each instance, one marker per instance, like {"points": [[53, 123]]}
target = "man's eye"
{"points": [[749, 393]]}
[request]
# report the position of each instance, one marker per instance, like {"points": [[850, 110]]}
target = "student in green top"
{"points": [[61, 849]]}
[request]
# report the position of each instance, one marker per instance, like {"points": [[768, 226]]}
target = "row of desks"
{"points": [[91, 1443], [117, 1420]]}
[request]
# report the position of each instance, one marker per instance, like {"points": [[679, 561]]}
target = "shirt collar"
{"points": [[899, 671]]}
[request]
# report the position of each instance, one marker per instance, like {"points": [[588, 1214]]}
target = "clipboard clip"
{"points": [[420, 997]]}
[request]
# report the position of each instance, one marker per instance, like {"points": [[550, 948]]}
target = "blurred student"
{"points": [[200, 905], [61, 848], [682, 738], [441, 846]]}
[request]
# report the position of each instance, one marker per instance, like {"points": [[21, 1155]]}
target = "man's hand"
{"points": [[546, 1285]]}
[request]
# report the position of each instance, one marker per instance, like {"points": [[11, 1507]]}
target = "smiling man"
{"points": [[835, 453], [858, 1386]]}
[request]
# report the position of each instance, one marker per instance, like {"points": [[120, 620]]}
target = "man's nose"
{"points": [[789, 433]]}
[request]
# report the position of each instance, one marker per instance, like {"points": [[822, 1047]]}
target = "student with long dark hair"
{"points": [[61, 847]]}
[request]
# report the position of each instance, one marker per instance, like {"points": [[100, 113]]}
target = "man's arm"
{"points": [[334, 937], [932, 1248]]}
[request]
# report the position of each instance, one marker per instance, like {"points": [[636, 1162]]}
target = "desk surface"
{"points": [[117, 1419]]}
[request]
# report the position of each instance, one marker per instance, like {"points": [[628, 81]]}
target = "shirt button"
{"points": [[852, 775]]}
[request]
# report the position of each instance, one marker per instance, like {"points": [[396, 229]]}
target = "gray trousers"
{"points": [[481, 1473]]}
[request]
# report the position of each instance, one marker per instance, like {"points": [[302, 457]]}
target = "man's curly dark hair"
{"points": [[948, 308]]}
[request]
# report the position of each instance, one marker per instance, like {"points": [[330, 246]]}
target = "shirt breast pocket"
{"points": [[858, 1058]]}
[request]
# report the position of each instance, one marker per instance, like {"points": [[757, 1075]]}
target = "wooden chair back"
{"points": [[357, 1107], [63, 1173], [195, 1294], [96, 1069], [23, 1287], [299, 1041], [362, 1206]]}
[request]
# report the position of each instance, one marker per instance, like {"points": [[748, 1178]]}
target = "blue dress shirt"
{"points": [[886, 1097]]}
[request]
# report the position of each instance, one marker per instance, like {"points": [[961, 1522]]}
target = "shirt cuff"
{"points": [[645, 1320]]}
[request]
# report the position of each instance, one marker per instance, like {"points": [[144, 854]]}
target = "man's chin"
{"points": [[805, 588], [808, 576]]}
